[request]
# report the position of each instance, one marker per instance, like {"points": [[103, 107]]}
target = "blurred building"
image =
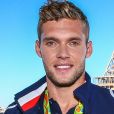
{"points": [[107, 80], [2, 110]]}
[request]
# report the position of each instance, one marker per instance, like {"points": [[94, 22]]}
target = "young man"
{"points": [[63, 45]]}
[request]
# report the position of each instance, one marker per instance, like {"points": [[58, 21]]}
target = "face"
{"points": [[63, 49]]}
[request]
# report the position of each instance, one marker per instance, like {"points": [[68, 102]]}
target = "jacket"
{"points": [[96, 100]]}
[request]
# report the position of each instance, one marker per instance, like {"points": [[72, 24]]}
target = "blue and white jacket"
{"points": [[96, 100]]}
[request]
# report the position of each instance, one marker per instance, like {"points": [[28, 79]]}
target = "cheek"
{"points": [[79, 54], [48, 56]]}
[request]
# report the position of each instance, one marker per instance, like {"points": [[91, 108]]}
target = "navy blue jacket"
{"points": [[96, 100]]}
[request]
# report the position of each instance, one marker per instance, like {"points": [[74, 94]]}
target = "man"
{"points": [[63, 45]]}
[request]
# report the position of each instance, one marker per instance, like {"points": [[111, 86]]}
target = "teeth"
{"points": [[63, 67]]}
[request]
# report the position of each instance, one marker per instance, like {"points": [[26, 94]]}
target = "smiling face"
{"points": [[63, 49]]}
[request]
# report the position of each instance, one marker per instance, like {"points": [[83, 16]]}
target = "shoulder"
{"points": [[102, 92], [13, 109]]}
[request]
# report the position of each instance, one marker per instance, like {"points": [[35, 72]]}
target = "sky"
{"points": [[19, 64]]}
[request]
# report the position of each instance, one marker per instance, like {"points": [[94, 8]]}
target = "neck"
{"points": [[64, 95]]}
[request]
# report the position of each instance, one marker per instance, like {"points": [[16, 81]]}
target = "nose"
{"points": [[63, 52]]}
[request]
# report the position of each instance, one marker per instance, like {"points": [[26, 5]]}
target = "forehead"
{"points": [[63, 28]]}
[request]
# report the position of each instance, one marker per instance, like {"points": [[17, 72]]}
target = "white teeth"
{"points": [[63, 67]]}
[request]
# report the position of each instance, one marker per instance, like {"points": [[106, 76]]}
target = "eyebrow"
{"points": [[75, 38], [50, 38]]}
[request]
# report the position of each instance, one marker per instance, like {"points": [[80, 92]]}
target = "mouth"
{"points": [[63, 67]]}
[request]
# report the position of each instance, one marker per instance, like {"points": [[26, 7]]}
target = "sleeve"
{"points": [[13, 109]]}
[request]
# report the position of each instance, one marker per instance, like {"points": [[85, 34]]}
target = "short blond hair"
{"points": [[59, 10]]}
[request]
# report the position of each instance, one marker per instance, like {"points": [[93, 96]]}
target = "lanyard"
{"points": [[47, 110]]}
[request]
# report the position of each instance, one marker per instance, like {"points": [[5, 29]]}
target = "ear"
{"points": [[37, 47], [89, 49]]}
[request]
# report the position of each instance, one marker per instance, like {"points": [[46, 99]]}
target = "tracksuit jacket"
{"points": [[96, 100]]}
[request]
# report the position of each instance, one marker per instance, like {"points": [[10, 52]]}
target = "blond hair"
{"points": [[59, 10]]}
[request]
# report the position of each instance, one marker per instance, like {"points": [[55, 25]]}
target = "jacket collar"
{"points": [[84, 91], [29, 97]]}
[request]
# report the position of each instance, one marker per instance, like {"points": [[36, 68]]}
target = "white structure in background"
{"points": [[107, 80], [2, 110]]}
